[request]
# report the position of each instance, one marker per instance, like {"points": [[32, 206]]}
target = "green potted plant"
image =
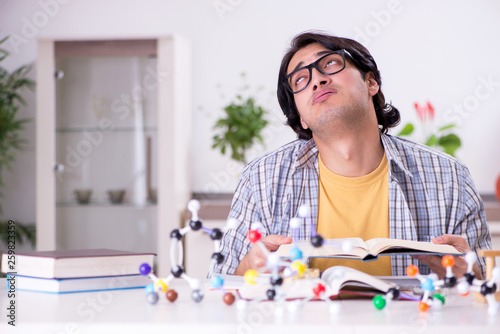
{"points": [[240, 127], [11, 84]]}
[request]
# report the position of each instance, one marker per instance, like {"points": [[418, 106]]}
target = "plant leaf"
{"points": [[446, 127], [450, 143], [407, 130], [431, 141], [10, 99]]}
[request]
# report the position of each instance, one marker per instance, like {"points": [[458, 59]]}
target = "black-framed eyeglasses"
{"points": [[329, 64]]}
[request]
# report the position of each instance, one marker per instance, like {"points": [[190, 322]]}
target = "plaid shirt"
{"points": [[430, 194]]}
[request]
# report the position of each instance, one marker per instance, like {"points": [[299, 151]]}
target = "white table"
{"points": [[126, 311]]}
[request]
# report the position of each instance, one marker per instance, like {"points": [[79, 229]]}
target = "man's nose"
{"points": [[318, 79]]}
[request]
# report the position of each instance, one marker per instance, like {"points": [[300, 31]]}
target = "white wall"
{"points": [[441, 51]]}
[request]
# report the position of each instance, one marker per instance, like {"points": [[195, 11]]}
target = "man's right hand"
{"points": [[256, 259]]}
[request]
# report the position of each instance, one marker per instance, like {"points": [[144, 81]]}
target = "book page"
{"points": [[330, 248], [338, 277]]}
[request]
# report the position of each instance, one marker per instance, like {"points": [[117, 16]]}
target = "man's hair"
{"points": [[387, 115]]}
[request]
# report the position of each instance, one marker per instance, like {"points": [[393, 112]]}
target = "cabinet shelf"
{"points": [[103, 205], [97, 129]]}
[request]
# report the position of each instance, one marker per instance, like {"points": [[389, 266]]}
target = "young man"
{"points": [[358, 180]]}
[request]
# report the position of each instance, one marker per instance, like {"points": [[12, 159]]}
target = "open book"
{"points": [[339, 277], [338, 280], [368, 250]]}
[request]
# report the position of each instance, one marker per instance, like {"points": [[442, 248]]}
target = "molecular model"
{"points": [[295, 266], [464, 285], [381, 301], [160, 285], [273, 264]]}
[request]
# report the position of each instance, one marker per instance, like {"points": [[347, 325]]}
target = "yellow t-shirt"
{"points": [[354, 207]]}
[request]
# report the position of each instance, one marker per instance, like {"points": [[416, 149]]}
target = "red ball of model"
{"points": [[228, 298], [253, 236], [171, 295], [318, 290]]}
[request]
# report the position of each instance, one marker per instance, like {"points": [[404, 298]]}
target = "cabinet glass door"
{"points": [[106, 139]]}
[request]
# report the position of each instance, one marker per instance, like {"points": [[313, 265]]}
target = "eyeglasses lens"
{"points": [[327, 65]]}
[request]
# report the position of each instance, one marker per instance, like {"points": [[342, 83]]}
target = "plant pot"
{"points": [[116, 196], [83, 195]]}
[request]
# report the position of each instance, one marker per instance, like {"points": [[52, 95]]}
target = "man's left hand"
{"points": [[460, 267]]}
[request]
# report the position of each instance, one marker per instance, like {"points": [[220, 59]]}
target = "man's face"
{"points": [[333, 102]]}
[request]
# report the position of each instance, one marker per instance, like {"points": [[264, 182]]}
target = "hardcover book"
{"points": [[75, 263], [368, 250], [338, 281], [68, 285]]}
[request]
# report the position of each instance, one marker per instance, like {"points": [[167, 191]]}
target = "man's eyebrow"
{"points": [[318, 54]]}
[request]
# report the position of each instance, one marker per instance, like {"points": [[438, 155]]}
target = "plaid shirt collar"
{"points": [[308, 154]]}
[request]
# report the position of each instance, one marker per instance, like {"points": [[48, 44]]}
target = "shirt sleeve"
{"points": [[473, 224], [234, 245]]}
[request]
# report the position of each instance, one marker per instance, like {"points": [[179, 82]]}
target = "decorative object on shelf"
{"points": [[83, 195], [240, 127], [153, 195], [11, 85], [116, 196], [443, 138], [160, 285]]}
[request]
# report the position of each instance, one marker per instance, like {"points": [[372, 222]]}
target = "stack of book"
{"points": [[64, 271]]}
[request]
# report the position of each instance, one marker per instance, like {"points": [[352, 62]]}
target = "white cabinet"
{"points": [[112, 115]]}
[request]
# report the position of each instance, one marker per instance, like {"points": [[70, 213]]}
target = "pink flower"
{"points": [[420, 112], [430, 108], [425, 112]]}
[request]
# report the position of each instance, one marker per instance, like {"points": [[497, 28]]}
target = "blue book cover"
{"points": [[71, 285]]}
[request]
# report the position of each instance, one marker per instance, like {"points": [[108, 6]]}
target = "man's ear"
{"points": [[304, 125], [372, 84]]}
